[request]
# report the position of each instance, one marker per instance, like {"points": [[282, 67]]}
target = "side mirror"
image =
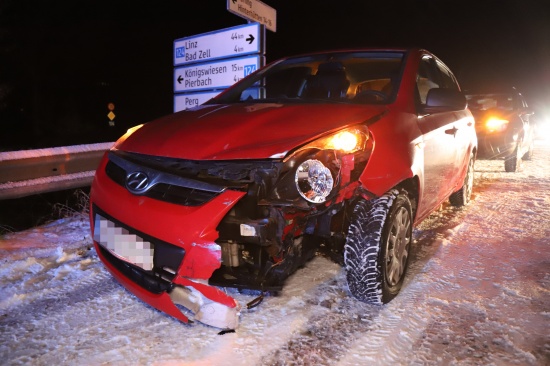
{"points": [[440, 99]]}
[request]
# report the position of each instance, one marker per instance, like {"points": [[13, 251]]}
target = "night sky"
{"points": [[62, 62]]}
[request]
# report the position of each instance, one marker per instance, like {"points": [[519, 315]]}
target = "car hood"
{"points": [[242, 131]]}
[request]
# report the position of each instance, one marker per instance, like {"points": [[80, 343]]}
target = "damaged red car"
{"points": [[339, 152]]}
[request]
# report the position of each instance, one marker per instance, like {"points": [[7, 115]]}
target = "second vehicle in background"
{"points": [[503, 127]]}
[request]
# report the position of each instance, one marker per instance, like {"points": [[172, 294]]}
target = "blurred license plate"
{"points": [[126, 246]]}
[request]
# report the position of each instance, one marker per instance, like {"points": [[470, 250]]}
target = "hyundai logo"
{"points": [[137, 182]]}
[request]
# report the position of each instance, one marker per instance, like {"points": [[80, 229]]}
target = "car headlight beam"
{"points": [[345, 141], [127, 134], [496, 124], [313, 181]]}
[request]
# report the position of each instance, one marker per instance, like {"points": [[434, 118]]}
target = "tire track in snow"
{"points": [[48, 288], [345, 331], [54, 301], [336, 312], [430, 322], [50, 277], [392, 332], [365, 333], [480, 320]]}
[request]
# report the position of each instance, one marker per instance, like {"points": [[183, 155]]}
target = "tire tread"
{"points": [[362, 249]]}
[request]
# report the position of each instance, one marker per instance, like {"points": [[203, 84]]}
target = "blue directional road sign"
{"points": [[191, 100], [224, 43], [214, 75]]}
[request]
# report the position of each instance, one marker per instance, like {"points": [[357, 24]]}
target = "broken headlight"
{"points": [[313, 181], [314, 171]]}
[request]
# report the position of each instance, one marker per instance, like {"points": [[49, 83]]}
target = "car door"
{"points": [[439, 144], [463, 130]]}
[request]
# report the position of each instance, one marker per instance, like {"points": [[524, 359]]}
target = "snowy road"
{"points": [[477, 293]]}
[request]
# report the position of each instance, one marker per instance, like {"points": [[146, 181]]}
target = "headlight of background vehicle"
{"points": [[494, 124]]}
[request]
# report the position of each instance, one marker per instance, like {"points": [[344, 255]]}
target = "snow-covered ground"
{"points": [[477, 293]]}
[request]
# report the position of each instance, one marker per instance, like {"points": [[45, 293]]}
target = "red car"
{"points": [[338, 152]]}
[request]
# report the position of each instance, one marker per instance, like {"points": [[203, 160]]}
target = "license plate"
{"points": [[124, 245]]}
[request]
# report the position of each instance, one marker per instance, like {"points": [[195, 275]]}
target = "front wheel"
{"points": [[513, 162], [377, 247], [529, 153]]}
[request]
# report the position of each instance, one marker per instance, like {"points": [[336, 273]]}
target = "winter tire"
{"points": [[529, 153], [512, 162], [462, 196], [377, 247]]}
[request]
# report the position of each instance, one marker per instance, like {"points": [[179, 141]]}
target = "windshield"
{"points": [[484, 102], [346, 77]]}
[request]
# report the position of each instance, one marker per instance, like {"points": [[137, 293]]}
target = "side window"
{"points": [[447, 78], [522, 103], [507, 102], [426, 78], [517, 102]]}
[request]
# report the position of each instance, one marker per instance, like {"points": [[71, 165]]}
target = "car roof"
{"points": [[493, 91], [350, 50]]}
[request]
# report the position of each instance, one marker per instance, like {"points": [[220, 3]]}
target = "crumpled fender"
{"points": [[393, 155], [209, 304], [210, 292]]}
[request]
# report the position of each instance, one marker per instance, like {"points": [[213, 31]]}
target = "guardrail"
{"points": [[27, 172]]}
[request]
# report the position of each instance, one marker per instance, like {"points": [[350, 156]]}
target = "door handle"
{"points": [[451, 131]]}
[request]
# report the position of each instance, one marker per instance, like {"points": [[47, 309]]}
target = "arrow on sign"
{"points": [[250, 39], [179, 79]]}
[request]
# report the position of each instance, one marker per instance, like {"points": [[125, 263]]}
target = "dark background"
{"points": [[62, 62]]}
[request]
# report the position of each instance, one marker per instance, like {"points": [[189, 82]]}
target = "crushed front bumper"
{"points": [[182, 242], [206, 309], [159, 285]]}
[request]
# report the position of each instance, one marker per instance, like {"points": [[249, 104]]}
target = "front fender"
{"points": [[395, 156]]}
